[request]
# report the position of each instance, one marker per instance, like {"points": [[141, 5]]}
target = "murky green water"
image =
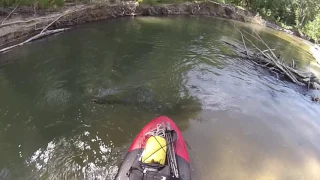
{"points": [[238, 120]]}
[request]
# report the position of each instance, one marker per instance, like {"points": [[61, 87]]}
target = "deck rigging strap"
{"points": [[171, 154], [170, 136], [158, 131]]}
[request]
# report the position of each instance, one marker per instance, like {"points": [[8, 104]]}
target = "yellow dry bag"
{"points": [[155, 150]]}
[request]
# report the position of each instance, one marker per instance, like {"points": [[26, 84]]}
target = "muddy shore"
{"points": [[26, 23]]}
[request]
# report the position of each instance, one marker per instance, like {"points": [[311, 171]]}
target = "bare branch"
{"points": [[244, 43], [38, 36], [21, 22], [293, 64], [276, 74], [274, 56], [309, 77], [44, 32], [11, 12], [45, 28], [268, 59]]}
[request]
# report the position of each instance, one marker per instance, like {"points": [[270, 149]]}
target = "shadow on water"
{"points": [[239, 122], [141, 99]]}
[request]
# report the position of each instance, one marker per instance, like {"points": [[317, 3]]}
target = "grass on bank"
{"points": [[42, 4], [153, 2]]}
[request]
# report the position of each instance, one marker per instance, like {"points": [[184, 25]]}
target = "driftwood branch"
{"points": [[268, 59], [244, 43], [38, 36], [45, 28], [11, 12], [20, 22], [44, 32], [28, 21]]}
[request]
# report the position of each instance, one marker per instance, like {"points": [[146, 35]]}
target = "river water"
{"points": [[238, 120]]}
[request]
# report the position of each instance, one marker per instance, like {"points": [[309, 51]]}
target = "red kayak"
{"points": [[168, 162]]}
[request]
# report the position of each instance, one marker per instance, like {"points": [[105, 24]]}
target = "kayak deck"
{"points": [[180, 154]]}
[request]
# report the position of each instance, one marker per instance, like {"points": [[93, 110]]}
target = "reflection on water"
{"points": [[239, 121]]}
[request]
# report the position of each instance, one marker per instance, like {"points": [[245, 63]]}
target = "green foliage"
{"points": [[293, 14], [222, 1], [50, 3], [153, 2], [43, 4], [312, 28], [302, 15], [7, 3]]}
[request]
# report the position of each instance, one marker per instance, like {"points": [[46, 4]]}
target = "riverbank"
{"points": [[27, 23]]}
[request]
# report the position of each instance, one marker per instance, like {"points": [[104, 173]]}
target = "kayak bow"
{"points": [[157, 152]]}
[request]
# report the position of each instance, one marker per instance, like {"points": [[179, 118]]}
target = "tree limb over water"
{"points": [[266, 58], [44, 32]]}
